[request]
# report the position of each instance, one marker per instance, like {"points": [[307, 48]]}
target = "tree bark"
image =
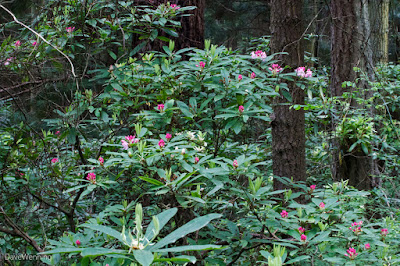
{"points": [[288, 125], [350, 35], [379, 17]]}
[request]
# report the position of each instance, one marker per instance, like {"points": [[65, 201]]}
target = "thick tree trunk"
{"points": [[379, 17], [288, 125], [191, 32], [350, 35]]}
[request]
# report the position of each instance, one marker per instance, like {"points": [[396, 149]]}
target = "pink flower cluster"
{"points": [[253, 75], [101, 160], [196, 159], [351, 253], [129, 141], [161, 143], [367, 246], [384, 232], [8, 61], [356, 227], [175, 7], [303, 238], [17, 43], [70, 29], [160, 107], [241, 109], [301, 229], [235, 164], [322, 206], [91, 177], [258, 54], [284, 214], [275, 69], [201, 64], [168, 136], [54, 160], [302, 73], [78, 243], [240, 77], [312, 188]]}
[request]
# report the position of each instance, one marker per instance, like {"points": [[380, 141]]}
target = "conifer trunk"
{"points": [[288, 125]]}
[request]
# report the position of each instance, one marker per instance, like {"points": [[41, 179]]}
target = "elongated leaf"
{"points": [[151, 180], [100, 251], [62, 250], [184, 258], [304, 257], [105, 229], [144, 257], [163, 219], [188, 228], [189, 248]]}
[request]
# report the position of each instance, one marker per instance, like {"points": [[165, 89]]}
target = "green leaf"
{"points": [[189, 248], [163, 219], [100, 251], [137, 48], [188, 228], [144, 257], [104, 229], [184, 258], [152, 181], [304, 257], [62, 250]]}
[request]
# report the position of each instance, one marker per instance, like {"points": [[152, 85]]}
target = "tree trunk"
{"points": [[350, 48], [379, 17], [288, 125], [191, 32]]}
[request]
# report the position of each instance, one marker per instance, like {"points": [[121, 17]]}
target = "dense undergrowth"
{"points": [[167, 158]]}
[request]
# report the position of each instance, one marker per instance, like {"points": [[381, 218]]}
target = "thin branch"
{"points": [[18, 232], [43, 39]]}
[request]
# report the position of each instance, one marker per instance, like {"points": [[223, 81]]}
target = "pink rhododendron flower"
{"points": [[8, 61], [302, 73], [356, 228], [303, 238], [161, 143], [367, 246], [384, 232], [101, 160], [351, 253], [196, 159], [235, 164], [91, 177], [58, 132], [125, 144], [275, 69], [284, 214], [17, 43], [168, 136], [174, 6], [322, 206], [201, 64], [313, 187], [54, 160], [160, 107], [258, 54], [241, 108], [78, 243], [240, 77], [253, 75], [301, 229], [70, 29]]}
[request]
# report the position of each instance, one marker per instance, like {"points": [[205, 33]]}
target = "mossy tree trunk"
{"points": [[350, 35]]}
